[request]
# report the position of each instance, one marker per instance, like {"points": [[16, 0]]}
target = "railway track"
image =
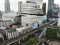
{"points": [[8, 42], [37, 43]]}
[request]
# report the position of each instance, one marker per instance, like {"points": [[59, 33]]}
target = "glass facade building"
{"points": [[50, 4]]}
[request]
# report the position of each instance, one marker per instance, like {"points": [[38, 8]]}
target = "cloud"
{"points": [[2, 5]]}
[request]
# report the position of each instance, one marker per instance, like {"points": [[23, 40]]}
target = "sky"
{"points": [[14, 4]]}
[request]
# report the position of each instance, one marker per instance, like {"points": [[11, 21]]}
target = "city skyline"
{"points": [[14, 4]]}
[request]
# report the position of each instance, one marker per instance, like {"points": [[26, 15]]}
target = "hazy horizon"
{"points": [[14, 4]]}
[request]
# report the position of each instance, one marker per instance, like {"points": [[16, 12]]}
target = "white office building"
{"points": [[31, 7], [30, 19]]}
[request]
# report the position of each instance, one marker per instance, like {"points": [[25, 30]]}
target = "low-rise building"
{"points": [[10, 16], [7, 19], [5, 23], [11, 33]]}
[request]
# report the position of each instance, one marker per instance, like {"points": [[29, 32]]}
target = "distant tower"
{"points": [[44, 8], [7, 6], [0, 15], [50, 4], [19, 7]]}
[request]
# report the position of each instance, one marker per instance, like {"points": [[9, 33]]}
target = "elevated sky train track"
{"points": [[8, 42], [42, 42]]}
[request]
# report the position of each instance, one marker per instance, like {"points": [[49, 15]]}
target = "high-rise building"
{"points": [[50, 4], [31, 12], [0, 15], [7, 6], [19, 7], [56, 9], [44, 8], [50, 7], [30, 7]]}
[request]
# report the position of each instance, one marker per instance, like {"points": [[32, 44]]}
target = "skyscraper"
{"points": [[7, 6], [0, 15], [19, 7], [44, 8], [50, 4]]}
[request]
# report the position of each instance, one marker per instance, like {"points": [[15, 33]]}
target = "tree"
{"points": [[51, 34], [31, 41]]}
